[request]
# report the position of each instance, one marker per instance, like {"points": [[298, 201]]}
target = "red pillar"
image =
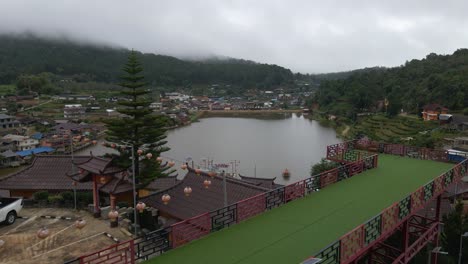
{"points": [[405, 231], [112, 201], [436, 240], [97, 210]]}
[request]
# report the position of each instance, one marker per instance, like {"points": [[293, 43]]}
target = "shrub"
{"points": [[122, 204], [55, 198], [67, 196], [84, 197], [41, 196]]}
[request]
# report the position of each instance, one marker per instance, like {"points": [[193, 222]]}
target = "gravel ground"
{"points": [[65, 242]]}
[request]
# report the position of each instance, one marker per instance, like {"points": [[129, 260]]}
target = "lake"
{"points": [[262, 147]]}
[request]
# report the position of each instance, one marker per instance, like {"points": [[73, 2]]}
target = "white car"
{"points": [[9, 209]]}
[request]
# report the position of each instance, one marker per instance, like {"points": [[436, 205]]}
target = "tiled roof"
{"points": [[118, 184], [201, 200], [434, 107], [262, 182], [97, 165], [162, 183], [45, 173]]}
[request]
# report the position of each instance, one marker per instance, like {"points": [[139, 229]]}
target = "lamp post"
{"points": [[461, 247]]}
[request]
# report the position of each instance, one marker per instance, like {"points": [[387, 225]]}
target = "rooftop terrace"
{"points": [[301, 228]]}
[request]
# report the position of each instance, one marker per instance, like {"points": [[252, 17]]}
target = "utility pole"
{"points": [[73, 167], [224, 189]]}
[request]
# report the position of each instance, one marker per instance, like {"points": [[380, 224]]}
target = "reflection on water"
{"points": [[263, 147]]}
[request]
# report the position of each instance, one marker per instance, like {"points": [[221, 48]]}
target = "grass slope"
{"points": [[295, 231]]}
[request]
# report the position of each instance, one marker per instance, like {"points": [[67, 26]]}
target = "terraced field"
{"points": [[381, 128]]}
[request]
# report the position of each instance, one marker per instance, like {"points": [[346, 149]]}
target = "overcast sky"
{"points": [[306, 36]]}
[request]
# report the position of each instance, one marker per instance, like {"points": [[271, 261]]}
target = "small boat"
{"points": [[286, 173]]}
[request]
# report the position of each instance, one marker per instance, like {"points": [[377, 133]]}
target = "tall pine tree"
{"points": [[140, 127]]}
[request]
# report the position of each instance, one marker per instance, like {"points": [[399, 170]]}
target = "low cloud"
{"points": [[305, 36]]}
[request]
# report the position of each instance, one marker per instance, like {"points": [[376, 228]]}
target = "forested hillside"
{"points": [[439, 79], [31, 55]]}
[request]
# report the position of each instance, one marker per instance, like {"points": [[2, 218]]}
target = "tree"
{"points": [[140, 128], [323, 165], [455, 224]]}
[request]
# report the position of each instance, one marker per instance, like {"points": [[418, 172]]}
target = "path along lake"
{"points": [[262, 147]]}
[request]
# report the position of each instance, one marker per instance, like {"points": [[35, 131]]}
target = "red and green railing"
{"points": [[178, 234], [363, 237]]}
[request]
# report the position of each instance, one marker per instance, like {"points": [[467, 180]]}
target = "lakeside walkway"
{"points": [[299, 229]]}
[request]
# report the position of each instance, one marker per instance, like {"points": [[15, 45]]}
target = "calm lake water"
{"points": [[262, 147]]}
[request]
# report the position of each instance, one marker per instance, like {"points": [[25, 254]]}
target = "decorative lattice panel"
{"points": [[417, 200], [437, 155], [122, 253], [274, 198], [382, 147], [404, 207], [330, 254], [428, 191], [439, 185], [368, 163], [294, 191], [372, 229], [413, 152], [390, 218], [351, 155], [363, 143], [152, 244], [251, 207], [351, 243], [190, 229], [328, 177], [343, 172], [312, 184], [448, 178], [223, 217], [335, 152]]}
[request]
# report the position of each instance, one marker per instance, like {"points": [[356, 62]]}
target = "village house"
{"points": [[7, 122], [22, 142], [433, 111], [74, 111]]}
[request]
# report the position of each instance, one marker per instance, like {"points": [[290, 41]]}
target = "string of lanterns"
{"points": [[44, 232]]}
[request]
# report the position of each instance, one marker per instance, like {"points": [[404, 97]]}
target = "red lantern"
{"points": [[43, 233], [207, 183], [140, 207], [104, 144], [140, 152], [113, 145], [166, 198], [80, 223], [103, 179], [211, 174], [86, 140], [198, 171], [159, 159], [94, 142], [113, 215], [184, 166], [74, 183], [187, 191], [149, 155], [171, 163]]}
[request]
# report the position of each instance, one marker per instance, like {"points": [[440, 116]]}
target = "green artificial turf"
{"points": [[299, 229]]}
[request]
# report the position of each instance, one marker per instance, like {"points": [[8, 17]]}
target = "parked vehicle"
{"points": [[9, 209]]}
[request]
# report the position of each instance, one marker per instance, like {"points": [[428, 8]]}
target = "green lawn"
{"points": [[299, 229]]}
